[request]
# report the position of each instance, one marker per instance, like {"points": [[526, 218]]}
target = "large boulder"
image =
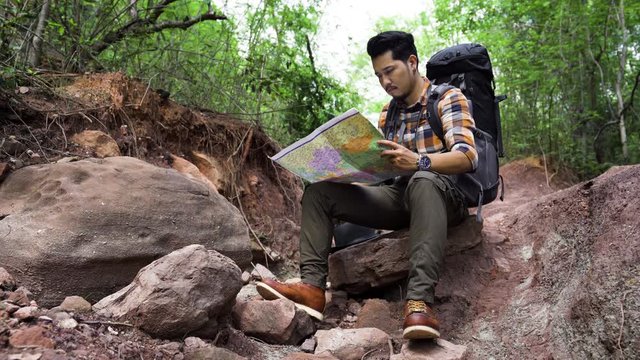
{"points": [[86, 228], [385, 261], [178, 293]]}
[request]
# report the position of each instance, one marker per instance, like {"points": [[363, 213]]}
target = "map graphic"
{"points": [[344, 149]]}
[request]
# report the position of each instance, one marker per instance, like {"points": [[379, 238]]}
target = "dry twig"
{"points": [[97, 322], [146, 90], [624, 297], [367, 353], [284, 191], [544, 159], [266, 253]]}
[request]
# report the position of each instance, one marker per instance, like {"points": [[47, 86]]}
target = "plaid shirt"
{"points": [[418, 135]]}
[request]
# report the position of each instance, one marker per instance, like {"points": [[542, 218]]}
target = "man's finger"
{"points": [[388, 144], [393, 153]]}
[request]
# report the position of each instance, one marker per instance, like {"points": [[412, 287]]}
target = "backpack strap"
{"points": [[390, 121], [434, 93]]}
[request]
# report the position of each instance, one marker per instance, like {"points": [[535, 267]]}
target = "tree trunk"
{"points": [[620, 79], [35, 55]]}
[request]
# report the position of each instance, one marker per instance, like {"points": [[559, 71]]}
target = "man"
{"points": [[425, 201]]}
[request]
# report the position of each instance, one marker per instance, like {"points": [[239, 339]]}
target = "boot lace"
{"points": [[416, 306]]}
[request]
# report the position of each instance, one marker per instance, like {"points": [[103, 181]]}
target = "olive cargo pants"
{"points": [[426, 203]]}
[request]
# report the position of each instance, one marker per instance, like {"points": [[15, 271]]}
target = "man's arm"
{"points": [[457, 125], [453, 162]]}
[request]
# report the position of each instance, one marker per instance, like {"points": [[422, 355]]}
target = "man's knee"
{"points": [[426, 180], [315, 191]]}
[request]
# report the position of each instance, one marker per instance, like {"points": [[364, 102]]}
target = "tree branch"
{"points": [[610, 123], [183, 24], [633, 92], [147, 26], [313, 64]]}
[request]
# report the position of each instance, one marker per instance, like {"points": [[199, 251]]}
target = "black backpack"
{"points": [[468, 67]]}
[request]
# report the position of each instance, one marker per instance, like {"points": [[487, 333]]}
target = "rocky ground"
{"points": [[552, 274]]}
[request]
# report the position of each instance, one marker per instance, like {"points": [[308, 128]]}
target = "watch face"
{"points": [[424, 164]]}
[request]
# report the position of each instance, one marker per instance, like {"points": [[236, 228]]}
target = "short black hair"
{"points": [[399, 42]]}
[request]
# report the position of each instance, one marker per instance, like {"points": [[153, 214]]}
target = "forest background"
{"points": [[570, 69]]}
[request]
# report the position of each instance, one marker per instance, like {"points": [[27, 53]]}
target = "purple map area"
{"points": [[325, 159]]}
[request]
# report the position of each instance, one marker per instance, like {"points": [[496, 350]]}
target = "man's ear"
{"points": [[413, 62]]}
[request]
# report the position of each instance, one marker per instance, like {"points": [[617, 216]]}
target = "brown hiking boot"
{"points": [[419, 321], [306, 297]]}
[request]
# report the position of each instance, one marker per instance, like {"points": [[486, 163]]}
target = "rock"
{"points": [[75, 304], [26, 313], [194, 342], [97, 222], [431, 350], [12, 146], [31, 336], [246, 277], [21, 296], [61, 316], [384, 261], [97, 142], [350, 344], [248, 292], [27, 356], [9, 307], [32, 154], [193, 285], [67, 324], [377, 313], [355, 308], [261, 272], [309, 345], [68, 159], [189, 170], [197, 349], [209, 167], [6, 280], [276, 322], [171, 349], [304, 356]]}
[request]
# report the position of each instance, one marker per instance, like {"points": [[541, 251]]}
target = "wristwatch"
{"points": [[423, 163]]}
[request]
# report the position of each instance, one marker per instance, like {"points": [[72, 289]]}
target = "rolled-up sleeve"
{"points": [[458, 124]]}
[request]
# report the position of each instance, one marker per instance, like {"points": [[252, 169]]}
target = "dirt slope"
{"points": [[562, 279]]}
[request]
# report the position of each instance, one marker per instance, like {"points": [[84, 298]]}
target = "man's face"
{"points": [[396, 77]]}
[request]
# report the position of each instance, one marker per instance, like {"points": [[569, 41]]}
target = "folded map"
{"points": [[344, 149]]}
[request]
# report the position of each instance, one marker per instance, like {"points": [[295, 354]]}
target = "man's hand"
{"points": [[399, 156], [452, 162]]}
